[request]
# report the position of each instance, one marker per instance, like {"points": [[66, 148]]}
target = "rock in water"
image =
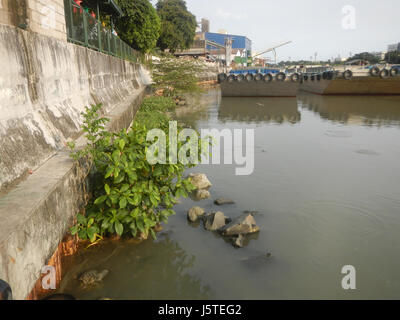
{"points": [[91, 277], [200, 181], [244, 224], [195, 213], [222, 201], [201, 195], [239, 241], [214, 221]]}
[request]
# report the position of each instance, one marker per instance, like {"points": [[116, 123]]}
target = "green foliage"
{"points": [[140, 26], [393, 57], [371, 58], [178, 25], [131, 196], [175, 76]]}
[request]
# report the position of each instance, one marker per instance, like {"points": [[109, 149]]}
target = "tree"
{"points": [[178, 25], [140, 26], [371, 58], [176, 76], [392, 57]]}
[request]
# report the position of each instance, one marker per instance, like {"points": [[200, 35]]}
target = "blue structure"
{"points": [[254, 71], [239, 42]]}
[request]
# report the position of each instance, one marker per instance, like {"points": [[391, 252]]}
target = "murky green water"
{"points": [[327, 187]]}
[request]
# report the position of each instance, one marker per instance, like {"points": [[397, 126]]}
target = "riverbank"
{"points": [[72, 246]]}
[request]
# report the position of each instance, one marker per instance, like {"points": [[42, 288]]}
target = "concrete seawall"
{"points": [[45, 83]]}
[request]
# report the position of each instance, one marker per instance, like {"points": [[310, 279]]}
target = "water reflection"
{"points": [[150, 270], [197, 107], [259, 110], [373, 111]]}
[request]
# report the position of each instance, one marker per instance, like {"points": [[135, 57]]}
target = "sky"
{"points": [[326, 27]]}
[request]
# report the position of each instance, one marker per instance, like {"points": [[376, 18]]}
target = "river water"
{"points": [[326, 184]]}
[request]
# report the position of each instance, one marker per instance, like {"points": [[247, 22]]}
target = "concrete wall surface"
{"points": [[46, 17], [45, 83]]}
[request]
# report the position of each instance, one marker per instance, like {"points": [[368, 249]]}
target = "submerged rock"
{"points": [[194, 213], [256, 262], [239, 241], [200, 195], [243, 224], [222, 201], [200, 181], [92, 277], [214, 221]]}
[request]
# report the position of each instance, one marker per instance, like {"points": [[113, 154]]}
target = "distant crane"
{"points": [[271, 49]]}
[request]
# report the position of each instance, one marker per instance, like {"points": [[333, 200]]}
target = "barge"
{"points": [[259, 83], [370, 80]]}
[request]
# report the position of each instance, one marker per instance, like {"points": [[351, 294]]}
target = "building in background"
{"points": [[212, 45], [394, 47], [241, 46]]}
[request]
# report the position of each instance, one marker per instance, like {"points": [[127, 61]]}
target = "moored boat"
{"points": [[259, 83], [370, 80]]}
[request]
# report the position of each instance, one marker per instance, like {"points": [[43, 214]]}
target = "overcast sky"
{"points": [[312, 25]]}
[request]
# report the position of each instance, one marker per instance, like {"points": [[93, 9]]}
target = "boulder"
{"points": [[201, 194], [200, 180], [92, 277], [222, 201], [243, 224], [194, 213], [214, 221]]}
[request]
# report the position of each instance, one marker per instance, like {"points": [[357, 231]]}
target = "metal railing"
{"points": [[85, 30]]}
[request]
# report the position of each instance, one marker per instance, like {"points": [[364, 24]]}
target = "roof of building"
{"points": [[228, 34]]}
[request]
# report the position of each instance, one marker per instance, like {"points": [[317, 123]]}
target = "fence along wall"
{"points": [[86, 30]]}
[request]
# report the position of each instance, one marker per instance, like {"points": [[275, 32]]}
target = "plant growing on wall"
{"points": [[140, 26], [130, 196]]}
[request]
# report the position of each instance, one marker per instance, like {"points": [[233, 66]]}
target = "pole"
{"points": [[99, 27]]}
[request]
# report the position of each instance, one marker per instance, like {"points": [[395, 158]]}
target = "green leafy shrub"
{"points": [[130, 196]]}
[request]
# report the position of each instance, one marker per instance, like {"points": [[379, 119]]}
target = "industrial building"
{"points": [[212, 44]]}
